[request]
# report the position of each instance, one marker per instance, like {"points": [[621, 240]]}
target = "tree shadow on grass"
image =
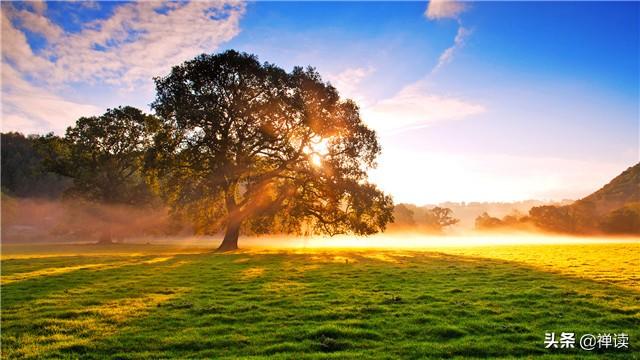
{"points": [[310, 305], [27, 286], [72, 309], [429, 305]]}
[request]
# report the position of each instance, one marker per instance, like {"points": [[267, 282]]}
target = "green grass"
{"points": [[164, 302]]}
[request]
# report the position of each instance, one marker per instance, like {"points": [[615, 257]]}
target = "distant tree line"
{"points": [[577, 219], [613, 209], [434, 220], [24, 172], [55, 187]]}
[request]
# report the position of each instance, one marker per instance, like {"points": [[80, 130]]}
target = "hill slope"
{"points": [[624, 189]]}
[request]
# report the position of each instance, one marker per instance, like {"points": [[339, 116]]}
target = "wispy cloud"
{"points": [[31, 109], [348, 82], [36, 22], [448, 9], [16, 50], [137, 42], [448, 53], [415, 107]]}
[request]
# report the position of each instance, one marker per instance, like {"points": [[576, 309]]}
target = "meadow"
{"points": [[169, 301]]}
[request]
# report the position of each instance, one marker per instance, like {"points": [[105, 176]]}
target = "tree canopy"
{"points": [[105, 156], [248, 145], [438, 218], [24, 168], [403, 216]]}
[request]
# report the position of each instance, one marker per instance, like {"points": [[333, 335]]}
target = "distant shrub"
{"points": [[625, 220]]}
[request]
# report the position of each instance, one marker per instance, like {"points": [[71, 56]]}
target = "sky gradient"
{"points": [[486, 101]]}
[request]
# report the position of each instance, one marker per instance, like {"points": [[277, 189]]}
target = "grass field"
{"points": [[151, 301]]}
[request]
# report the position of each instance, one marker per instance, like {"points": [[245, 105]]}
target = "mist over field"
{"points": [[48, 221], [403, 241]]}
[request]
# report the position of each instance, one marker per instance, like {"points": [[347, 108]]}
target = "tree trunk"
{"points": [[230, 241]]}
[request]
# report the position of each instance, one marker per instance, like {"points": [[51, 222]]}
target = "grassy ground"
{"points": [[164, 302]]}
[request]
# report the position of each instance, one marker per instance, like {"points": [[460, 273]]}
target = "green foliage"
{"points": [[248, 143], [24, 170], [625, 220], [160, 302], [106, 156], [552, 218]]}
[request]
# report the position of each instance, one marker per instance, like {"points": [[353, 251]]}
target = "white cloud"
{"points": [[458, 42], [17, 51], [444, 9], [37, 23], [348, 82], [30, 109], [125, 51], [415, 107], [448, 9], [144, 39], [39, 6]]}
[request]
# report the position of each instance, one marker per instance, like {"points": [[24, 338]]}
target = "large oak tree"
{"points": [[249, 145]]}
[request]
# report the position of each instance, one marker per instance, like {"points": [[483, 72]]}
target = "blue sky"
{"points": [[472, 101]]}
